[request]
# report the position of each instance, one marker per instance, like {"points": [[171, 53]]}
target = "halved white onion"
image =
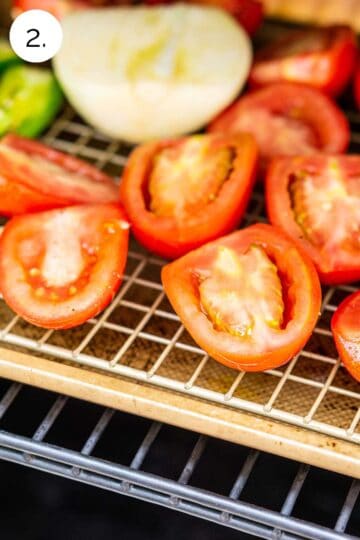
{"points": [[138, 73]]}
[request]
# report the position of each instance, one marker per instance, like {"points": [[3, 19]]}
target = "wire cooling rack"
{"points": [[138, 336]]}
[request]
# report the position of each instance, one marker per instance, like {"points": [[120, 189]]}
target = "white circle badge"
{"points": [[36, 36]]}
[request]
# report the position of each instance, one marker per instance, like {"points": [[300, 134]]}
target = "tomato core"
{"points": [[187, 176], [327, 202], [51, 275], [242, 293]]}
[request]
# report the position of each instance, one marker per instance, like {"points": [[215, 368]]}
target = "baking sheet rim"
{"points": [[186, 412]]}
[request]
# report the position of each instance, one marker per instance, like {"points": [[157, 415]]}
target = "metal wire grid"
{"points": [[178, 494], [139, 336]]}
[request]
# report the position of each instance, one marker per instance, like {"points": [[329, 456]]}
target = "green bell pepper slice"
{"points": [[7, 55], [30, 98]]}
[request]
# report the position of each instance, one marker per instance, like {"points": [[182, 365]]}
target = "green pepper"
{"points": [[30, 98], [7, 55]]}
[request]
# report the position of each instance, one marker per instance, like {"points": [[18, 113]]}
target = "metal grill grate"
{"points": [[139, 336], [182, 485]]}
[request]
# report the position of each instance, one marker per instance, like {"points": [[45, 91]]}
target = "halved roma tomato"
{"points": [[320, 57], [181, 193], [36, 177], [316, 200], [62, 267], [287, 119], [250, 299], [345, 326]]}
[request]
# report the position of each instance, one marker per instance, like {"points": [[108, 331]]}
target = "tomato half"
{"points": [[320, 57], [250, 299], [345, 326], [249, 13], [35, 177], [181, 193], [62, 267], [316, 200], [287, 119]]}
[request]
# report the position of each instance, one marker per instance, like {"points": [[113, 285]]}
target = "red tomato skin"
{"points": [[162, 235], [329, 70], [280, 214], [23, 190], [103, 283], [312, 106], [304, 293], [16, 199], [345, 326]]}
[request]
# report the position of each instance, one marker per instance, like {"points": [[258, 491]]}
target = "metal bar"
{"points": [[322, 393], [229, 394], [168, 487], [348, 507], [295, 489], [165, 352], [145, 445], [110, 309], [138, 328], [97, 432], [50, 418], [193, 460], [244, 474], [190, 383], [9, 326], [143, 494], [354, 422], [269, 405], [9, 397]]}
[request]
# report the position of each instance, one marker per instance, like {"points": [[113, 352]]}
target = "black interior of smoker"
{"points": [[36, 506]]}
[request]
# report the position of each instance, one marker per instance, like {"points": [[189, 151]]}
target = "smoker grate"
{"points": [[139, 336], [293, 501]]}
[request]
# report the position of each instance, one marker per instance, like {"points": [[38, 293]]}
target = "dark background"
{"points": [[36, 506]]}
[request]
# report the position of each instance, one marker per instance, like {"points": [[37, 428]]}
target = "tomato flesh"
{"points": [[242, 294], [250, 299], [345, 326], [278, 134], [182, 193], [187, 177], [319, 201], [61, 267], [316, 200], [49, 273]]}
